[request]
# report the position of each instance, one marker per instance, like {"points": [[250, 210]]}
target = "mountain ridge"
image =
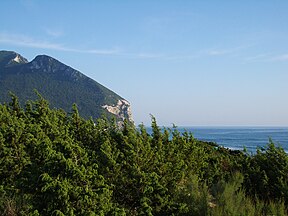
{"points": [[10, 58], [60, 84]]}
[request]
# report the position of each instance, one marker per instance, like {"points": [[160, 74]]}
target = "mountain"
{"points": [[60, 84]]}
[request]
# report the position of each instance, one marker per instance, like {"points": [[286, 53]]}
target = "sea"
{"points": [[236, 138]]}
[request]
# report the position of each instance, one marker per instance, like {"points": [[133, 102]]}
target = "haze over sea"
{"points": [[237, 138]]}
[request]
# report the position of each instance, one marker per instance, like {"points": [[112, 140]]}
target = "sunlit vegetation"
{"points": [[54, 163]]}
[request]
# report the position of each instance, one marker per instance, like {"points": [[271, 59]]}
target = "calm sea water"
{"points": [[238, 137]]}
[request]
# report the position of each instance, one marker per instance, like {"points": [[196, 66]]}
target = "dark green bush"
{"points": [[52, 163]]}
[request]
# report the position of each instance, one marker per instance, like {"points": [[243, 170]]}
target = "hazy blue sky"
{"points": [[185, 62]]}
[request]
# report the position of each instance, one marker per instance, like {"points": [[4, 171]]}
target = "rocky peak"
{"points": [[10, 58], [48, 64]]}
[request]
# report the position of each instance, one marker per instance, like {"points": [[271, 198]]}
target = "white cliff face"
{"points": [[122, 110], [17, 59]]}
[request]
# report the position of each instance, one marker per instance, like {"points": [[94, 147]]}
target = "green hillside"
{"points": [[60, 84]]}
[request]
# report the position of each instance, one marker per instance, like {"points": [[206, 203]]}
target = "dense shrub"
{"points": [[53, 163]]}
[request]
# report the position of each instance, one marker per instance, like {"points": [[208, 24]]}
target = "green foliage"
{"points": [[39, 158], [52, 163], [267, 174], [230, 199]]}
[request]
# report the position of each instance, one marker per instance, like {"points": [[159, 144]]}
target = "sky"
{"points": [[188, 63]]}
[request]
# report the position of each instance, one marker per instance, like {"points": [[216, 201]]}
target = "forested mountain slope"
{"points": [[60, 84]]}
